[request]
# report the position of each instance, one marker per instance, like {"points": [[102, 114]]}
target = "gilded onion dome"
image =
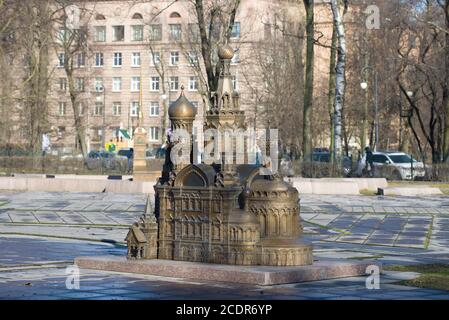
{"points": [[226, 52], [182, 108]]}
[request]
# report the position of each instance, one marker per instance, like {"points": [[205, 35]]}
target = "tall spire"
{"points": [[225, 97]]}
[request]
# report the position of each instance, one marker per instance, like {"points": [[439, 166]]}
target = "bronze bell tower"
{"points": [[226, 117]]}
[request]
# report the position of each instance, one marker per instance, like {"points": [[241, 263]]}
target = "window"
{"points": [[174, 83], [235, 33], [99, 84], [100, 34], [193, 84], [118, 33], [116, 108], [134, 112], [175, 32], [61, 35], [79, 84], [153, 134], [154, 83], [156, 32], [100, 17], [135, 84], [136, 33], [116, 84], [81, 60], [136, 59], [175, 15], [193, 59], [63, 84], [62, 108], [174, 58], [195, 104], [234, 82], [216, 30], [235, 57], [98, 109], [193, 32], [61, 58], [117, 59], [99, 59], [155, 58], [267, 32], [154, 109], [80, 109], [379, 158]]}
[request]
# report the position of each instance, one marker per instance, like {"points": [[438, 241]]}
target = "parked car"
{"points": [[156, 153], [393, 166], [126, 152], [106, 160], [325, 157], [129, 154]]}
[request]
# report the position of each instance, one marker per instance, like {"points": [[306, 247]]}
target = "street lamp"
{"points": [[103, 135], [364, 86], [166, 100]]}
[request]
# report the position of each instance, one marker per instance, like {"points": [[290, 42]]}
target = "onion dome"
{"points": [[182, 108], [226, 52]]}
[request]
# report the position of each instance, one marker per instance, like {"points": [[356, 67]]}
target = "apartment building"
{"points": [[138, 57]]}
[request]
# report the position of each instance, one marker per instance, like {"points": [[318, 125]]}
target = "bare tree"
{"points": [[211, 17], [72, 42], [340, 74], [308, 89]]}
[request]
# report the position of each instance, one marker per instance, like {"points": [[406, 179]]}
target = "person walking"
{"points": [[111, 146], [369, 163]]}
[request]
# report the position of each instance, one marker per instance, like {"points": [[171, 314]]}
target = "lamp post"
{"points": [[364, 86], [166, 99], [103, 133], [404, 118]]}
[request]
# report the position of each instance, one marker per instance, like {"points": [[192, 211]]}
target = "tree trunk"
{"points": [[331, 92], [308, 86], [79, 128], [364, 128], [446, 87], [212, 72], [340, 77]]}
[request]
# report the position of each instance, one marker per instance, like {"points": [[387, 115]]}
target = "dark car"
{"points": [[325, 157], [106, 160], [128, 152], [156, 153]]}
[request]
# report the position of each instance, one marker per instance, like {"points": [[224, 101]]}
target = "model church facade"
{"points": [[222, 213]]}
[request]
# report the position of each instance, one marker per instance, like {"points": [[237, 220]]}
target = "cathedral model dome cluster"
{"points": [[223, 212]]}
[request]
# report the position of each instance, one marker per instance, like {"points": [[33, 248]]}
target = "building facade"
{"points": [[137, 57]]}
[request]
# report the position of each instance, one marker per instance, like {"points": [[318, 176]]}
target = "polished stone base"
{"points": [[258, 275]]}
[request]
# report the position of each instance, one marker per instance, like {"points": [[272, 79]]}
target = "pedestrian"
{"points": [[45, 144], [369, 164], [111, 146]]}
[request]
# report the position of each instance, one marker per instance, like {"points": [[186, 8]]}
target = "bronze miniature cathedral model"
{"points": [[220, 213]]}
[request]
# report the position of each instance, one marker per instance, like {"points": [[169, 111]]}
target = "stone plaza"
{"points": [[42, 232]]}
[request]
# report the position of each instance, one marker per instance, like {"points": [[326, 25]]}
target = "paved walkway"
{"points": [[393, 230], [32, 268]]}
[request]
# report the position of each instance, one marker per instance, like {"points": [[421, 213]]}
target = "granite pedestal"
{"points": [[258, 275]]}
